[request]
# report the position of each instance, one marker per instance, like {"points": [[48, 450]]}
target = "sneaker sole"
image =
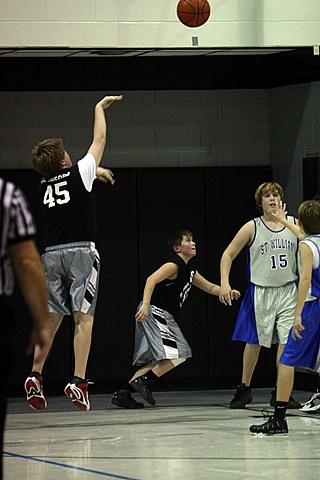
{"points": [[137, 405], [310, 410], [283, 434], [239, 407], [80, 405], [75, 401], [37, 403]]}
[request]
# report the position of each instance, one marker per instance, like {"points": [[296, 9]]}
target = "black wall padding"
{"points": [[311, 177], [134, 218]]}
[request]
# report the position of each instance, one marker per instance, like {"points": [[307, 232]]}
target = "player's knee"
{"points": [[178, 361]]}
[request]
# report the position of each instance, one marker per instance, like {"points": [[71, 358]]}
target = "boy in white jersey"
{"points": [[303, 346], [71, 260], [266, 312]]}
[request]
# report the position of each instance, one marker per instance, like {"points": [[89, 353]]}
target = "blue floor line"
{"points": [[58, 464]]}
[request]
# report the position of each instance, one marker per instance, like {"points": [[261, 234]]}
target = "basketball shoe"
{"points": [[142, 386], [123, 398], [273, 426], [313, 405], [34, 391], [241, 397], [78, 392]]}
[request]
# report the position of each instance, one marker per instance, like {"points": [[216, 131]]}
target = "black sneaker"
{"points": [[272, 426], [123, 398], [241, 397], [142, 386], [292, 403]]}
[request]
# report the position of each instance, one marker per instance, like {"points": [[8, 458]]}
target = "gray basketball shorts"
{"points": [[274, 312], [72, 274], [159, 337]]}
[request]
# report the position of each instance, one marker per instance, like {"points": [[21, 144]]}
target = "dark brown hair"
{"points": [[175, 238]]}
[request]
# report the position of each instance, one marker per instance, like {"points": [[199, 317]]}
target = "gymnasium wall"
{"points": [[154, 24], [150, 128], [294, 129], [176, 128]]}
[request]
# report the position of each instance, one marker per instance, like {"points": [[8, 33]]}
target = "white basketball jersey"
{"points": [[272, 255], [313, 241]]}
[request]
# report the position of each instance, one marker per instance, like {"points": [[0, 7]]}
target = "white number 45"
{"points": [[63, 196]]}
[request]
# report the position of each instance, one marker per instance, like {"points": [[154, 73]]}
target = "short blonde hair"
{"points": [[264, 188]]}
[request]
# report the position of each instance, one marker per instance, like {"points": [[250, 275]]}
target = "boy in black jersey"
{"points": [[159, 343], [71, 260]]}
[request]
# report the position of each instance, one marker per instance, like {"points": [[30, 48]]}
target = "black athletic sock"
{"points": [[151, 377], [280, 409], [35, 374], [77, 380]]}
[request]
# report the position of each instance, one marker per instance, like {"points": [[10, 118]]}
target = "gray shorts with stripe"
{"points": [[159, 337], [72, 273]]}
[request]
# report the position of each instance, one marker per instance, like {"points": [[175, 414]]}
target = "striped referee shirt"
{"points": [[16, 225]]}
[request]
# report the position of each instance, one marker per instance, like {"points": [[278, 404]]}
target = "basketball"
{"points": [[193, 13]]}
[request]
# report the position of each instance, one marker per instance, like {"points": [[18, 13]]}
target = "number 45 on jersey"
{"points": [[56, 195]]}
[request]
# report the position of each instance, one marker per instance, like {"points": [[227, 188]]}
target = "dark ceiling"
{"points": [[155, 69]]}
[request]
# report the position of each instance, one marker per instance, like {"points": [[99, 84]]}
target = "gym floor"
{"points": [[188, 435]]}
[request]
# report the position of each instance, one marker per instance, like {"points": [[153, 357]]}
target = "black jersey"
{"points": [[68, 208], [171, 294]]}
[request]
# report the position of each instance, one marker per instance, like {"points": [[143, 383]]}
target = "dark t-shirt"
{"points": [[171, 294]]}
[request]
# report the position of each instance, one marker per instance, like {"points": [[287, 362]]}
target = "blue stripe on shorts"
{"points": [[245, 328]]}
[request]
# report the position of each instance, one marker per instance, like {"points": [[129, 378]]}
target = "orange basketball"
{"points": [[193, 13]]}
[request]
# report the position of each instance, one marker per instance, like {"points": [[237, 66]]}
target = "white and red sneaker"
{"points": [[34, 391], [313, 405], [78, 392]]}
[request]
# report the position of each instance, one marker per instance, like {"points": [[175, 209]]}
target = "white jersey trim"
{"points": [[315, 252], [87, 168]]}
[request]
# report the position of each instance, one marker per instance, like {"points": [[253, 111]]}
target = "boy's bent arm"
{"points": [[30, 274], [281, 216], [304, 284], [202, 283], [243, 237], [168, 270], [211, 288]]}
